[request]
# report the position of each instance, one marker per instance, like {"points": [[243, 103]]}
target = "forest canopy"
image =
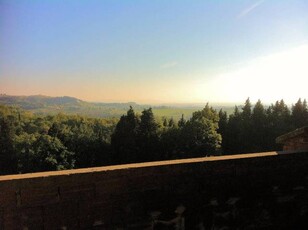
{"points": [[32, 143]]}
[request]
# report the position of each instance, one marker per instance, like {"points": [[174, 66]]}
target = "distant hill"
{"points": [[39, 101], [41, 104]]}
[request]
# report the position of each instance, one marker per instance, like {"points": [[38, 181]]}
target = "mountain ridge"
{"points": [[42, 104]]}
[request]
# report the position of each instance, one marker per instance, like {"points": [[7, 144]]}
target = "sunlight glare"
{"points": [[278, 76]]}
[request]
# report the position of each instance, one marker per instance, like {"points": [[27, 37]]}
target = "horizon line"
{"points": [[154, 103]]}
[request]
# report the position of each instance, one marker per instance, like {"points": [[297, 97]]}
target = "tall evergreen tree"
{"points": [[170, 144], [148, 136], [165, 122], [232, 137], [299, 116], [124, 138], [246, 136], [181, 122], [171, 123], [259, 125], [246, 113], [279, 123]]}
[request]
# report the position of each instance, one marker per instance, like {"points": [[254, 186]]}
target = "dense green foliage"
{"points": [[255, 128], [142, 138], [30, 143]]}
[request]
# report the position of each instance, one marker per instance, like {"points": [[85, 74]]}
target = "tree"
{"points": [[208, 113], [148, 136], [247, 109], [165, 122], [171, 123], [200, 136], [278, 122], [245, 132], [299, 116], [51, 154], [170, 144], [181, 122], [124, 138], [8, 160], [232, 138], [222, 127], [259, 126], [43, 153]]}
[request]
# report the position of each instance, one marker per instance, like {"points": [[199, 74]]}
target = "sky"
{"points": [[159, 51]]}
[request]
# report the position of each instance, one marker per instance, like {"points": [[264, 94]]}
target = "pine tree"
{"points": [[181, 122], [171, 123], [259, 125], [247, 110], [299, 114], [278, 123], [148, 141], [246, 135], [165, 122], [124, 138], [232, 137]]}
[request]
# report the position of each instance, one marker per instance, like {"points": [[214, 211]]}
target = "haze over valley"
{"points": [[45, 105]]}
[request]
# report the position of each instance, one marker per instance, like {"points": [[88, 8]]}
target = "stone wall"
{"points": [[251, 191], [297, 140], [299, 143]]}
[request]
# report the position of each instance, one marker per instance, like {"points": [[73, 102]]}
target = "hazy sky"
{"points": [[155, 51]]}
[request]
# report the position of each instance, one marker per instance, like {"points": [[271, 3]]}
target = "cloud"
{"points": [[247, 10], [169, 65]]}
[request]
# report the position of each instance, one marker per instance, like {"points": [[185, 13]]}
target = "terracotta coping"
{"points": [[141, 165]]}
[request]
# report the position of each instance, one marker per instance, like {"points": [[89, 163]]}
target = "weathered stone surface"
{"points": [[295, 140]]}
